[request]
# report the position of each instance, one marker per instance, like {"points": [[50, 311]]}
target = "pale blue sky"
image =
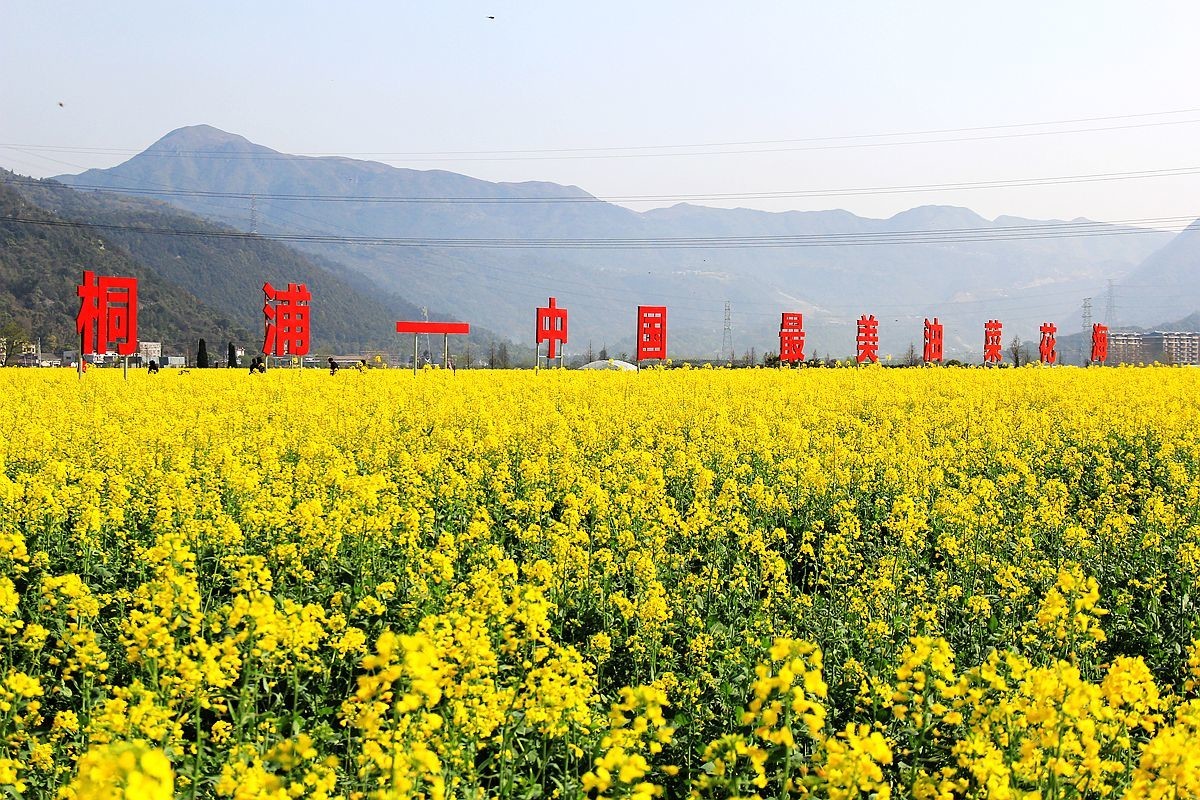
{"points": [[394, 78]]}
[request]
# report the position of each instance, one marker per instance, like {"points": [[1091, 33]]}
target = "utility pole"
{"points": [[1110, 307], [1087, 331], [428, 349], [727, 337], [254, 214]]}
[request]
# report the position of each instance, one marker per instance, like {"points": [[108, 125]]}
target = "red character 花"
{"points": [[868, 339], [652, 332], [992, 333], [791, 338], [933, 342], [1046, 351], [287, 320], [1099, 343], [551, 327], [107, 314]]}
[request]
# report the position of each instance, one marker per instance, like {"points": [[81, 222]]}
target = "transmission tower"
{"points": [[1086, 338], [428, 347], [727, 336], [253, 213], [1110, 306]]}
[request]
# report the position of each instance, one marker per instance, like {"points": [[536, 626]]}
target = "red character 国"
{"points": [[107, 314], [1046, 351], [993, 331], [652, 332], [791, 338], [287, 320], [868, 339], [933, 342], [551, 327], [1099, 343]]}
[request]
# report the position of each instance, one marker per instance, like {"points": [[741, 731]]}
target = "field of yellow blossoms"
{"points": [[838, 584]]}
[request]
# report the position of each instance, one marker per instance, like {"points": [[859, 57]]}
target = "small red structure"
{"points": [[1046, 352], [552, 328], [651, 332], [1099, 343], [993, 332], [934, 331], [444, 328], [868, 339], [791, 338], [286, 315], [107, 314]]}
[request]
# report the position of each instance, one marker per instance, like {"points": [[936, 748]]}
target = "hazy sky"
{"points": [[89, 84]]}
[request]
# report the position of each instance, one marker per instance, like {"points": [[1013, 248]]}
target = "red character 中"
{"points": [[1046, 351], [652, 332], [993, 331], [791, 338], [1099, 343], [868, 339], [107, 314], [551, 327], [933, 342], [287, 320]]}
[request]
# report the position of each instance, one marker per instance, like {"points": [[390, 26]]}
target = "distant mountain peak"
{"points": [[939, 216], [203, 137]]}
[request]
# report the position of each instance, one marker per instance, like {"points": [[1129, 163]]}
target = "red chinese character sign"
{"points": [[868, 339], [993, 332], [286, 313], [791, 338], [933, 342], [1099, 343], [1046, 352], [551, 328], [651, 332], [107, 315]]}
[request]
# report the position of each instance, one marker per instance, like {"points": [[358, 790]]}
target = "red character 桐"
{"points": [[107, 314]]}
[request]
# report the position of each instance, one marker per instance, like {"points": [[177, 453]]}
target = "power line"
{"points": [[1055, 230], [616, 151], [765, 195]]}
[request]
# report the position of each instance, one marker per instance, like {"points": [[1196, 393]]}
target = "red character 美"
{"points": [[868, 339]]}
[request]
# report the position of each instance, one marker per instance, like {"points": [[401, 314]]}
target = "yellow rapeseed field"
{"points": [[846, 583]]}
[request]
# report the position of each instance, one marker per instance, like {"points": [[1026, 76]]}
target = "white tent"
{"points": [[611, 363]]}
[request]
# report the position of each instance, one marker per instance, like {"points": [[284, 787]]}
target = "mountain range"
{"points": [[490, 252]]}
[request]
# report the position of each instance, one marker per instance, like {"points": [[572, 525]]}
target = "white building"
{"points": [[150, 351]]}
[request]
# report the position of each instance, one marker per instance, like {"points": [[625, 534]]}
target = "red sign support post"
{"points": [[444, 328]]}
